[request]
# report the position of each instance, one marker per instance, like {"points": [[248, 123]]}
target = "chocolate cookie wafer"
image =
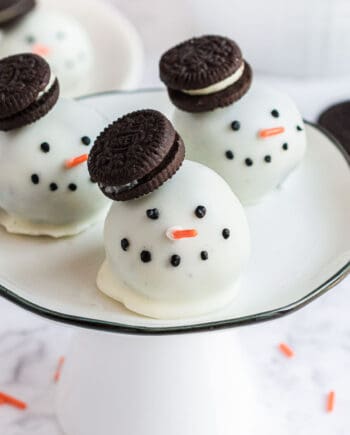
{"points": [[135, 155]]}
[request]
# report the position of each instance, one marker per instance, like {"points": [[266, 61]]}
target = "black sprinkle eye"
{"points": [[267, 159], [285, 146], [248, 162], [124, 243], [72, 187], [204, 255], [146, 256], [200, 211], [86, 140], [45, 147], [35, 178], [175, 260], [299, 128], [152, 213], [30, 39], [53, 187], [235, 125], [275, 113], [225, 233], [229, 155]]}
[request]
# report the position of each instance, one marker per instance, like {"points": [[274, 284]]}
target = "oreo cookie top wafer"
{"points": [[12, 10], [28, 90], [336, 119], [135, 155], [205, 73]]}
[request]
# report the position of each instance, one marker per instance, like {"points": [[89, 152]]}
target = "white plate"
{"points": [[118, 47], [301, 247]]}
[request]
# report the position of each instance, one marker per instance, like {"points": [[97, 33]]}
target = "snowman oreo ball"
{"points": [[57, 37], [176, 238], [251, 135], [45, 188]]}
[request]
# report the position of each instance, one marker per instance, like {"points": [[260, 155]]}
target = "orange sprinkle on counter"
{"points": [[286, 350], [330, 401], [12, 401], [58, 371]]}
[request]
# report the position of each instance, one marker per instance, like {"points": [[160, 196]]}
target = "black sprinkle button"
{"points": [[175, 260], [229, 155], [200, 211], [146, 256], [204, 255], [152, 213], [35, 178], [124, 243], [225, 233]]}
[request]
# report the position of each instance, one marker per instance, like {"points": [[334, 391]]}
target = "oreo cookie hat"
{"points": [[135, 155], [336, 119], [28, 90], [205, 73], [12, 10]]}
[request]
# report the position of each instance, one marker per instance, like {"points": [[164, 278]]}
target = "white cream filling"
{"points": [[48, 87], [219, 86], [118, 189]]}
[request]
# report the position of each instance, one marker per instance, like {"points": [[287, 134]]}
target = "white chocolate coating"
{"points": [[34, 208], [209, 137], [60, 39], [196, 286]]}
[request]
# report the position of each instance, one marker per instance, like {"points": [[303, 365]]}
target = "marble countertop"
{"points": [[293, 389]]}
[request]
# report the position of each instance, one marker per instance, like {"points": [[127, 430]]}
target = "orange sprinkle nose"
{"points": [[330, 401], [267, 132], [41, 50], [183, 234], [75, 161]]}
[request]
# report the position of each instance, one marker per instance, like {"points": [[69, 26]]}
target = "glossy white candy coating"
{"points": [[57, 37], [158, 288], [251, 164], [37, 192]]}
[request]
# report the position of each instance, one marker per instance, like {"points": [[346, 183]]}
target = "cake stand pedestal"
{"points": [[192, 384]]}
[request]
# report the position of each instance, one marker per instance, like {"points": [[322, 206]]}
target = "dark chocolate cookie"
{"points": [[336, 120], [205, 103], [135, 155], [12, 10], [192, 68], [26, 93]]}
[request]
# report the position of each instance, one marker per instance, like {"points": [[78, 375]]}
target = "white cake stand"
{"points": [[131, 375]]}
